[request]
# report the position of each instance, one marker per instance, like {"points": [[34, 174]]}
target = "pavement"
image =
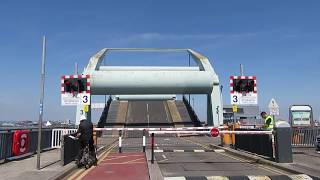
{"points": [[26, 168]]}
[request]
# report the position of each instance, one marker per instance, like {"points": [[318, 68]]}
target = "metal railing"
{"points": [[5, 144], [305, 137]]}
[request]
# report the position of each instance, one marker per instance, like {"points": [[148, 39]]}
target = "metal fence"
{"points": [[305, 137]]}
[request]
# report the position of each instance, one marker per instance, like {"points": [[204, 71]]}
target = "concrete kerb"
{"points": [[74, 167], [154, 169], [257, 159]]}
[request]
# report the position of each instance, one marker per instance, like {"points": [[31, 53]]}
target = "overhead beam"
{"points": [[148, 68]]}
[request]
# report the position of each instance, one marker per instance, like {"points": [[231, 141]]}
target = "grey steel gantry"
{"points": [[133, 80]]}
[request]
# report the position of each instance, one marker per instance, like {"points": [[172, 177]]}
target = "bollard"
{"points": [[283, 148], [152, 148], [120, 141], [144, 141]]}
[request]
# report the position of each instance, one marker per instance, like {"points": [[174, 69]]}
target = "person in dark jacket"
{"points": [[85, 136]]}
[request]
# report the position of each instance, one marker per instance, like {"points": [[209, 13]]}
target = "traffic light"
{"points": [[243, 85], [75, 85]]}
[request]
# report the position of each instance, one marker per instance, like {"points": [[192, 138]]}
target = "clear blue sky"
{"points": [[278, 41]]}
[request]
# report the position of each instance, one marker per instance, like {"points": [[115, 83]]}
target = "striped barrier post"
{"points": [[120, 141]]}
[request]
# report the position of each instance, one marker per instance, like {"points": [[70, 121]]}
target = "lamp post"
{"points": [[41, 100]]}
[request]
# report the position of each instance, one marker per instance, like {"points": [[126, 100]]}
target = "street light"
{"points": [[41, 100]]}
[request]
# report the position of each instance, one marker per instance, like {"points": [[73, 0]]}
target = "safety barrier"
{"points": [[57, 134], [69, 149], [258, 142], [305, 137]]}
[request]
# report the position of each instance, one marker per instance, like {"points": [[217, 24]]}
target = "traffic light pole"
{"points": [[41, 101]]}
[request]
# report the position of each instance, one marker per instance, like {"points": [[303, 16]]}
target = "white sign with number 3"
{"points": [[85, 99]]}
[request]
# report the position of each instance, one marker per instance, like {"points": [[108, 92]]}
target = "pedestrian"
{"points": [[268, 121], [85, 135]]}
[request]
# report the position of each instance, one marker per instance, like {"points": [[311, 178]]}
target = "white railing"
{"points": [[57, 136]]}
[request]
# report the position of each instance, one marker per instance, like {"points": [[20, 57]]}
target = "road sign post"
{"points": [[41, 100]]}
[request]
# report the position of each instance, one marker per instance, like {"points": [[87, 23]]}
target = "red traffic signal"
{"points": [[214, 132]]}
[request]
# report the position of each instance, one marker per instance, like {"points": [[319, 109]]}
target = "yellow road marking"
{"points": [[118, 157], [241, 160], [125, 163], [82, 172], [128, 162]]}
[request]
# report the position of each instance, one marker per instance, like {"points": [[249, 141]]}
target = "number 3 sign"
{"points": [[85, 99]]}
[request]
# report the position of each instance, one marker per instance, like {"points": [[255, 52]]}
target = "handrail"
{"points": [[102, 121], [191, 112]]}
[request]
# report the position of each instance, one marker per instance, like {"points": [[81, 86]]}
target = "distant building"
{"points": [[7, 125], [245, 114]]}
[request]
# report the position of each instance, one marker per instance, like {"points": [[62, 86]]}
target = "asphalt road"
{"points": [[147, 113], [205, 163], [307, 160], [193, 162]]}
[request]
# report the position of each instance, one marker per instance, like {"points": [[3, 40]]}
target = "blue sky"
{"points": [[278, 41]]}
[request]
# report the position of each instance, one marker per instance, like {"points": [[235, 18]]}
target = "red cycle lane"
{"points": [[124, 166]]}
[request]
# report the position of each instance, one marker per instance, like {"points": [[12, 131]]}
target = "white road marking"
{"points": [[259, 178], [164, 157], [199, 150], [158, 150], [219, 150], [174, 178], [300, 176], [178, 150]]}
